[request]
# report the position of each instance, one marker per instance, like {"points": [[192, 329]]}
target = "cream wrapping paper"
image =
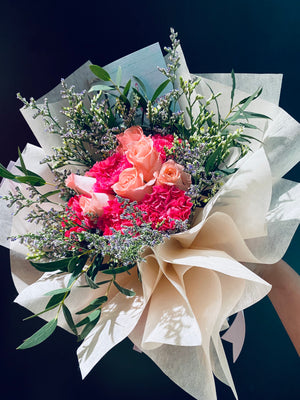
{"points": [[195, 280]]}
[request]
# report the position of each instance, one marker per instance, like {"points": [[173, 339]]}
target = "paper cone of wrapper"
{"points": [[195, 280]]}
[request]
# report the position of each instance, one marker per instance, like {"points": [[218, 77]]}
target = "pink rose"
{"points": [[81, 184], [144, 157], [131, 185], [93, 207], [132, 134], [172, 173], [77, 215]]}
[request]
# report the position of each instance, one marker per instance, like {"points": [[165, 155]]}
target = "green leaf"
{"points": [[75, 266], [125, 100], [93, 305], [114, 271], [251, 137], [41, 312], [69, 319], [90, 318], [245, 104], [100, 73], [126, 88], [90, 282], [57, 291], [244, 124], [119, 76], [255, 97], [212, 160], [98, 87], [28, 173], [23, 168], [4, 173], [39, 336], [160, 88], [142, 86], [233, 88], [229, 171], [125, 291], [142, 102], [48, 194], [61, 265], [98, 283], [88, 327], [34, 180], [51, 266], [250, 114], [30, 180], [57, 299], [76, 263]]}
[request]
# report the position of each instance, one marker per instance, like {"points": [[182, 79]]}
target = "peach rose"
{"points": [[144, 157], [81, 184], [130, 135], [95, 204], [172, 173], [131, 185]]}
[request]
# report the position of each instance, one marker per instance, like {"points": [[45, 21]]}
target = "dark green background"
{"points": [[40, 42]]}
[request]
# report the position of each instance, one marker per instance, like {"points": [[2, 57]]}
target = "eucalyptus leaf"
{"points": [[61, 265], [41, 312], [39, 336], [57, 299], [69, 319], [57, 291], [119, 270], [76, 263], [125, 291], [88, 328], [90, 282], [93, 305], [90, 318], [100, 73]]}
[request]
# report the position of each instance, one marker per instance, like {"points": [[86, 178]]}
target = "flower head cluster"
{"points": [[139, 172]]}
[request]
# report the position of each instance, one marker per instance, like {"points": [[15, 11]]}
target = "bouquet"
{"points": [[144, 209]]}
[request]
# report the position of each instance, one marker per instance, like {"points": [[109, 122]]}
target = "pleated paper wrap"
{"points": [[195, 280]]}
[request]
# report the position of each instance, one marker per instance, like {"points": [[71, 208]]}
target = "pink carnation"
{"points": [[164, 205], [111, 218], [159, 142], [107, 172]]}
